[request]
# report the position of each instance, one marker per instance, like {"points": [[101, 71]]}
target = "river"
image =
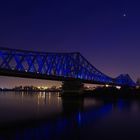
{"points": [[47, 116]]}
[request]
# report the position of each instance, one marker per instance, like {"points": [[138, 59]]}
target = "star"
{"points": [[124, 15]]}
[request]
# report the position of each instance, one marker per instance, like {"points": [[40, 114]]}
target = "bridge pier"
{"points": [[72, 88]]}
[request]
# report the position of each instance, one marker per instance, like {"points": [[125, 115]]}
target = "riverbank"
{"points": [[112, 92]]}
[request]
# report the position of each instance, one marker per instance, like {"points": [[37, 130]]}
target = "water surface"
{"points": [[46, 116]]}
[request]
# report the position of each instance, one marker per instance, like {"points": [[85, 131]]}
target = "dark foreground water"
{"points": [[46, 116]]}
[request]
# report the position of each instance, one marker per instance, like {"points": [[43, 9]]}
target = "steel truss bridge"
{"points": [[55, 66]]}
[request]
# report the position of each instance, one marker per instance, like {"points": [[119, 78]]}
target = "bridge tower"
{"points": [[72, 88]]}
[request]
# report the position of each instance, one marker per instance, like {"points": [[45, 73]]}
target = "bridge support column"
{"points": [[72, 88]]}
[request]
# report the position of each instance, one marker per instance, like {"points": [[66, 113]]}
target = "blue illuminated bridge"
{"points": [[55, 66]]}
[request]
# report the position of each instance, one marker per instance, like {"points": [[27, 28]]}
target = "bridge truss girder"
{"points": [[56, 66]]}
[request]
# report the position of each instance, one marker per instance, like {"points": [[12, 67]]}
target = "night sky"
{"points": [[106, 32]]}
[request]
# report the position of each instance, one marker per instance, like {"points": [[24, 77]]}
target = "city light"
{"points": [[42, 87], [106, 85], [118, 87]]}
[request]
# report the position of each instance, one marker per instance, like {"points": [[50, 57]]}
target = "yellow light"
{"points": [[45, 87], [42, 87]]}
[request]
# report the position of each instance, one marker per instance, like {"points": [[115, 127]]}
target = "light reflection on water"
{"points": [[67, 118], [18, 106]]}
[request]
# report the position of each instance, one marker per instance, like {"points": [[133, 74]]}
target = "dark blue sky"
{"points": [[95, 28]]}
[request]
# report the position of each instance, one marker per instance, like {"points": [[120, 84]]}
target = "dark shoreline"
{"points": [[111, 92], [106, 92]]}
